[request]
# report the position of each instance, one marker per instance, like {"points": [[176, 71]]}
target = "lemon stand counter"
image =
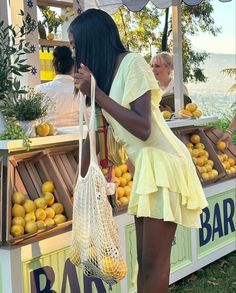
{"points": [[43, 265]]}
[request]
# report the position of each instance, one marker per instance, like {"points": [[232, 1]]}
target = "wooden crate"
{"points": [[64, 159], [214, 134], [184, 136], [28, 171]]}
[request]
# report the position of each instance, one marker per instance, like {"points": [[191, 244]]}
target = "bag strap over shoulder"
{"points": [[90, 124]]}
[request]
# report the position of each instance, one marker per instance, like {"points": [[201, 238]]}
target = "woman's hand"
{"points": [[82, 80]]}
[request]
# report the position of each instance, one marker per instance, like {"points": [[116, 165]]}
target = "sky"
{"points": [[225, 17]]}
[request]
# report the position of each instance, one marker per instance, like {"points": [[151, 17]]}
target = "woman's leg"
{"points": [[139, 243], [157, 242]]}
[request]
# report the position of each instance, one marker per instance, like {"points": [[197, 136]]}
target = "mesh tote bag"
{"points": [[95, 244]]}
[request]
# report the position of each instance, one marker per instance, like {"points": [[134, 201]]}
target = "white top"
{"points": [[65, 110], [170, 89]]}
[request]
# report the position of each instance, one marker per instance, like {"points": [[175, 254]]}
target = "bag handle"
{"points": [[90, 124]]}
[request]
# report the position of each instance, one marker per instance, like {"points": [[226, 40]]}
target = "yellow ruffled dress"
{"points": [[165, 183]]}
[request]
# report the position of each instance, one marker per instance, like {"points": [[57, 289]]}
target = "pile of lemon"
{"points": [[45, 129], [227, 161], [29, 216], [201, 159], [189, 111], [123, 181]]}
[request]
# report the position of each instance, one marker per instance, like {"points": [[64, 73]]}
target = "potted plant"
{"points": [[27, 108], [13, 48], [52, 21]]}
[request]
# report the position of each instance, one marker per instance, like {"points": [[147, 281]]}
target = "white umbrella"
{"points": [[111, 6]]}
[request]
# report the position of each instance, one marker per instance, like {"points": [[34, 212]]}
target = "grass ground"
{"points": [[218, 277]]}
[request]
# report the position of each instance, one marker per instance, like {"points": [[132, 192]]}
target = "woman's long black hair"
{"points": [[97, 45]]}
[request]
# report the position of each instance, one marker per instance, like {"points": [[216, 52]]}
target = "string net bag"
{"points": [[95, 243]]}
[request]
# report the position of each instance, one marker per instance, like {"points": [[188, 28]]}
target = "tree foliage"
{"points": [[139, 33], [13, 47], [137, 30]]}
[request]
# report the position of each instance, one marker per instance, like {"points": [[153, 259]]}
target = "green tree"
{"points": [[137, 30], [232, 73], [139, 33]]}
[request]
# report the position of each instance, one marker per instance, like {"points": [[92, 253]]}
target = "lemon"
{"points": [[197, 114], [104, 171], [166, 114], [31, 227], [120, 192], [116, 181], [121, 271], [109, 266], [40, 214], [118, 172], [40, 202], [58, 208], [210, 162], [127, 176], [42, 129], [124, 168], [17, 211], [130, 184], [231, 162], [221, 145], [17, 230], [191, 107], [183, 113], [200, 162], [200, 145], [50, 36], [214, 172], [189, 145], [49, 197], [123, 181], [51, 128], [225, 157], [49, 222], [50, 213], [29, 206], [205, 176], [124, 200], [211, 175], [40, 224], [18, 221], [18, 197], [195, 138], [195, 153], [59, 219], [48, 186], [127, 190], [30, 217], [203, 170], [208, 168]]}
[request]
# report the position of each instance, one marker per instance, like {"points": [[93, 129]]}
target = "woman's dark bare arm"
{"points": [[136, 120]]}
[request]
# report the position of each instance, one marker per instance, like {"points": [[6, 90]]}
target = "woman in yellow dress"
{"points": [[166, 190]]}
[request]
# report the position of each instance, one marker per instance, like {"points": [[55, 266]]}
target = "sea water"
{"points": [[213, 96]]}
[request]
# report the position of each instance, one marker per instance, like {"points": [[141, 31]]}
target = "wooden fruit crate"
{"points": [[65, 161], [214, 134], [28, 171], [184, 136]]}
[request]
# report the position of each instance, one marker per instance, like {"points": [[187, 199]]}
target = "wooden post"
{"points": [[177, 53], [32, 77]]}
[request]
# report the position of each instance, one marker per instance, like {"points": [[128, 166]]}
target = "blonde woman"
{"points": [[162, 67]]}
